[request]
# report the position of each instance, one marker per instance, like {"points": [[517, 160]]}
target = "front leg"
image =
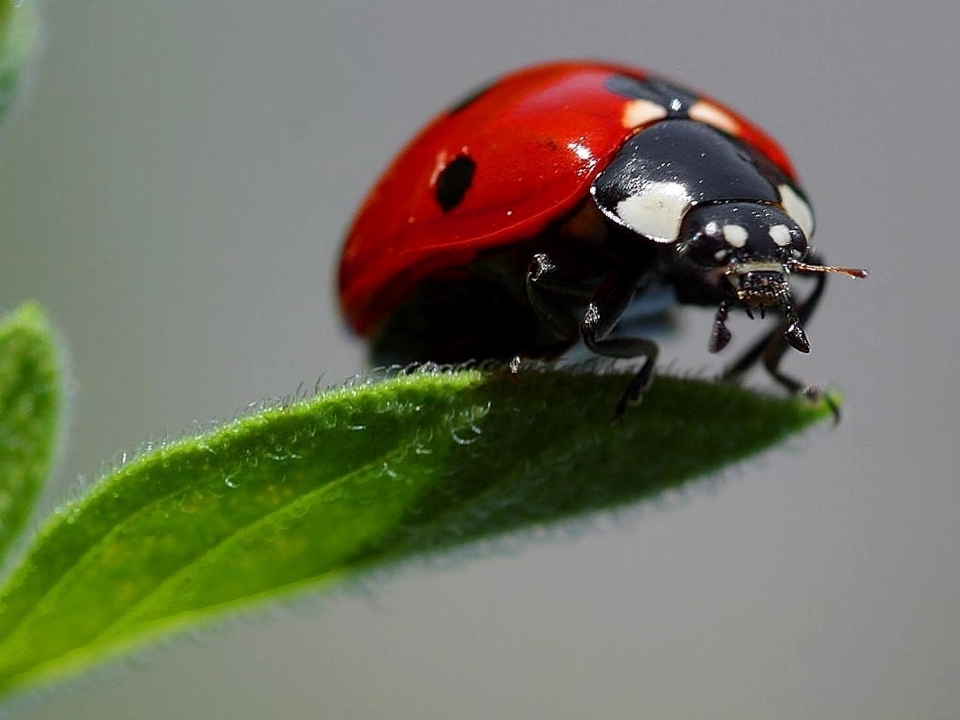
{"points": [[551, 295], [773, 345], [601, 316]]}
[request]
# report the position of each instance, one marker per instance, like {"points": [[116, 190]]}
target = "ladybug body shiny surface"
{"points": [[530, 215]]}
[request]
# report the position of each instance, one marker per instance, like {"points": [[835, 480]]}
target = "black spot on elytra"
{"points": [[454, 181], [470, 97]]}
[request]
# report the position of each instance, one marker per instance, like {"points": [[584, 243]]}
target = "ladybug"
{"points": [[542, 209]]}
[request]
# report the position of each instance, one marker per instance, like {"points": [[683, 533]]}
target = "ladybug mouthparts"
{"points": [[761, 284], [768, 287], [761, 288]]}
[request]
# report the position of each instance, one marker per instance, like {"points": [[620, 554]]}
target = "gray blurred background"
{"points": [[174, 192]]}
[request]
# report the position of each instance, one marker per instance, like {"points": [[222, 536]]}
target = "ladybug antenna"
{"points": [[851, 272]]}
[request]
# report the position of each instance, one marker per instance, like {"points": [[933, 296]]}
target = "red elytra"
{"points": [[536, 137]]}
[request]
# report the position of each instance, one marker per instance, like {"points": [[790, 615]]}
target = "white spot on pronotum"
{"points": [[797, 208], [638, 113], [656, 211], [735, 235], [720, 254], [780, 234], [707, 112]]}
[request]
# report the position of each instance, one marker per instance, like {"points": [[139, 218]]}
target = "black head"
{"points": [[753, 245], [752, 248]]}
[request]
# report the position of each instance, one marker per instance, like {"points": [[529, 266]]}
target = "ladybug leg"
{"points": [[601, 316], [551, 295], [773, 346]]}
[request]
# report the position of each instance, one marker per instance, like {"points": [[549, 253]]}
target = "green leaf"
{"points": [[19, 30], [300, 495], [29, 405]]}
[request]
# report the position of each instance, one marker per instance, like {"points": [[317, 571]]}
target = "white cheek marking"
{"points": [[637, 113], [707, 112], [797, 208], [656, 212], [780, 234], [735, 235]]}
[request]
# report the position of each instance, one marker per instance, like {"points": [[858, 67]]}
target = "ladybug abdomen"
{"points": [[473, 312], [482, 310]]}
